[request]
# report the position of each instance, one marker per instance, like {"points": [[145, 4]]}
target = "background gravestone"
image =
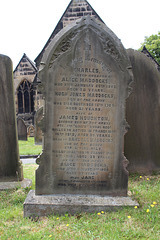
{"points": [[22, 129], [10, 165], [85, 82], [38, 123], [142, 142]]}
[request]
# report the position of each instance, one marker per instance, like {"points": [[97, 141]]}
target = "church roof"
{"points": [[75, 10], [24, 59], [147, 53]]}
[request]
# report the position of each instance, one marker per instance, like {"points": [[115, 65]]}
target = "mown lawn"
{"points": [[127, 223], [29, 148]]}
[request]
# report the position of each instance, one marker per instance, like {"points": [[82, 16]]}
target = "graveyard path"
{"points": [[28, 160]]}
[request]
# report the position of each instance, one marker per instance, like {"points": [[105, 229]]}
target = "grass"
{"points": [[128, 223], [29, 148]]}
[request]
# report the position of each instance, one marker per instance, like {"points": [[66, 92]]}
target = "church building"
{"points": [[28, 97], [24, 76]]}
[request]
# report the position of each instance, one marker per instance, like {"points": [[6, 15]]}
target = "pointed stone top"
{"points": [[148, 54], [27, 58]]}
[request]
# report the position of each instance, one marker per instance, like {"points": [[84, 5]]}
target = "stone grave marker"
{"points": [[30, 131], [38, 122], [85, 79], [22, 129], [142, 142], [10, 165]]}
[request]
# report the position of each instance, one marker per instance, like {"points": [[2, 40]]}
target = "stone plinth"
{"points": [[15, 184], [44, 205]]}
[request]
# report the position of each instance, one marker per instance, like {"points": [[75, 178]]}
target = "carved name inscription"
{"points": [[85, 103]]}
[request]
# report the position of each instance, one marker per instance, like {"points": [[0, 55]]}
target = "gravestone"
{"points": [[30, 131], [85, 80], [10, 165], [22, 129], [38, 122], [142, 142]]}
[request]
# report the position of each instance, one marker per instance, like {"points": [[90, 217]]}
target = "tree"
{"points": [[152, 44]]}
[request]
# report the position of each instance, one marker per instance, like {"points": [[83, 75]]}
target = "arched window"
{"points": [[25, 94]]}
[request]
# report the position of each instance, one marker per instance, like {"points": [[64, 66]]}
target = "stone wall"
{"points": [[77, 10], [25, 71]]}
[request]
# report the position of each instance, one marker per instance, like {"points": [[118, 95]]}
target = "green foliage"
{"points": [[127, 223], [29, 148], [152, 43], [29, 172]]}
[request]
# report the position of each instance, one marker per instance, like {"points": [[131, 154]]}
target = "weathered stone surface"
{"points": [[60, 204], [10, 165], [15, 184], [142, 142], [22, 129], [85, 78], [37, 121]]}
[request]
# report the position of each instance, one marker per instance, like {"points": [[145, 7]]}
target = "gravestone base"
{"points": [[43, 205], [15, 184]]}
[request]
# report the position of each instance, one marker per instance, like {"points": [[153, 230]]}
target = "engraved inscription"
{"points": [[83, 138]]}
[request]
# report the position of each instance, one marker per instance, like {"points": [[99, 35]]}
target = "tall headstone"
{"points": [[85, 80], [142, 142], [38, 125], [10, 165], [22, 129]]}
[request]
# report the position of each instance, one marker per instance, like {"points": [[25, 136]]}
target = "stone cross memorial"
{"points": [[85, 74]]}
